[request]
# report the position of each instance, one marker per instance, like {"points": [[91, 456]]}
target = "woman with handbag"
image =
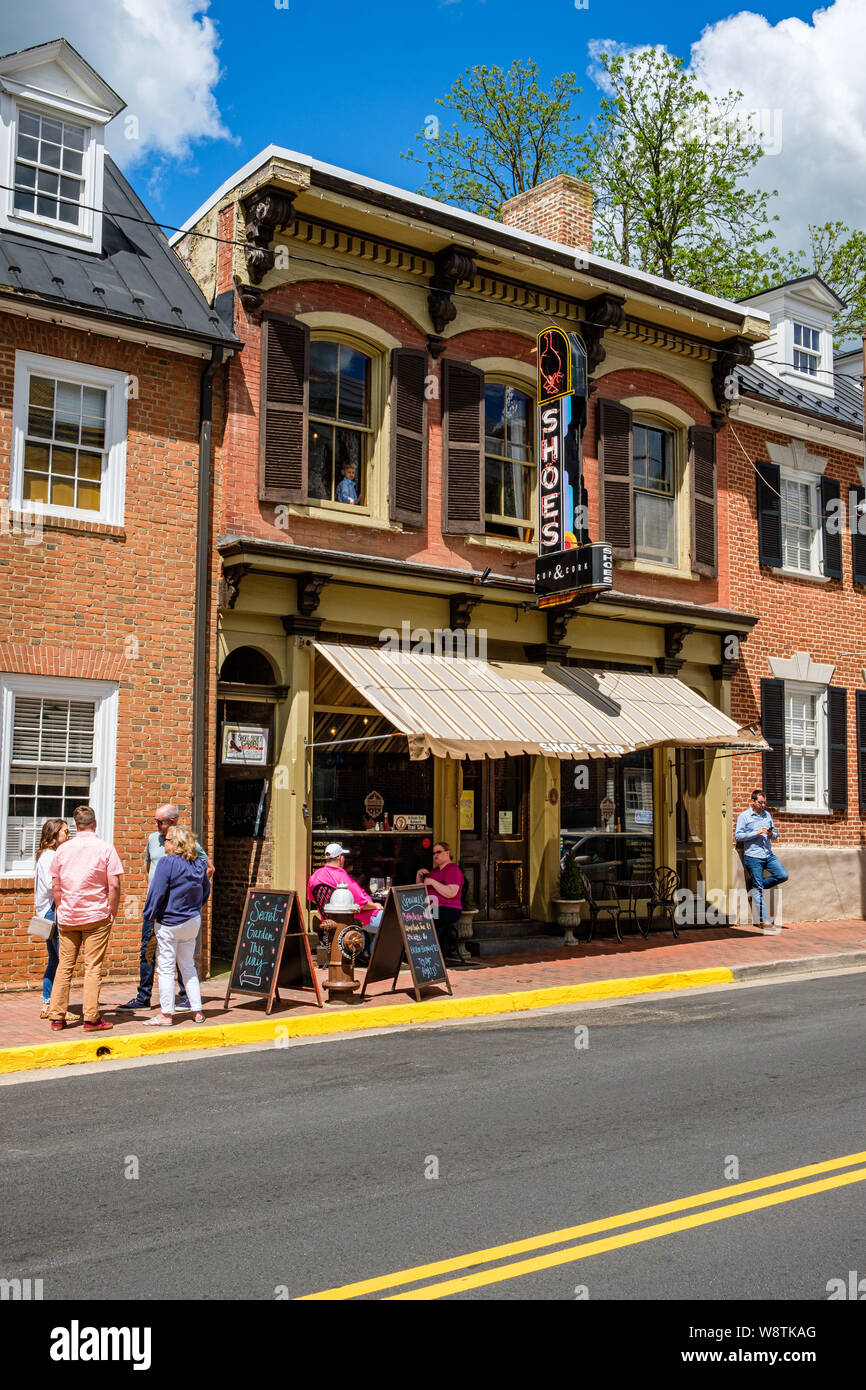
{"points": [[55, 832]]}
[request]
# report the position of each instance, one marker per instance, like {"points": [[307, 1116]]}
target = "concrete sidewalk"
{"points": [[498, 985]]}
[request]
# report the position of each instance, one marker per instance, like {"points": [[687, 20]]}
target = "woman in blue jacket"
{"points": [[178, 891]]}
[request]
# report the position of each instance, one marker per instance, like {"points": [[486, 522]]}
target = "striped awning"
{"points": [[457, 707]]}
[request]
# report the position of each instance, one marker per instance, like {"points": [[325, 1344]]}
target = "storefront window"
{"points": [[370, 797], [607, 815]]}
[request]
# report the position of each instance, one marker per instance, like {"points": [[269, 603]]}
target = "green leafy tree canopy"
{"points": [[668, 166], [510, 135]]}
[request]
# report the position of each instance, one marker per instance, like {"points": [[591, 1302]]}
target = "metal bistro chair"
{"points": [[318, 904], [597, 905], [665, 884]]}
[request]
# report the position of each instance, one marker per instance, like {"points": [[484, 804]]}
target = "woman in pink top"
{"points": [[445, 883]]}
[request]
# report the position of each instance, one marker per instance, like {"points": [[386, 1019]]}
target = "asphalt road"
{"points": [[308, 1168]]}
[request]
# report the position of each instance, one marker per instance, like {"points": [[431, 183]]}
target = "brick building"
{"points": [[108, 353], [378, 483], [798, 559]]}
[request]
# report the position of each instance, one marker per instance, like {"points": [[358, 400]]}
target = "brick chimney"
{"points": [[560, 209]]}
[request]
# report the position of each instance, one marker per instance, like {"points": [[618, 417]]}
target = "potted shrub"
{"points": [[568, 905]]}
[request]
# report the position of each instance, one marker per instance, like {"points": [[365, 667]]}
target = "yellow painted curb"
{"points": [[108, 1047]]}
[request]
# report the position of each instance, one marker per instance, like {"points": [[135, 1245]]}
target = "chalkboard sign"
{"points": [[273, 949], [406, 932]]}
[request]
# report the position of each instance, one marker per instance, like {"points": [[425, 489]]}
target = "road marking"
{"points": [[607, 1223], [597, 1247]]}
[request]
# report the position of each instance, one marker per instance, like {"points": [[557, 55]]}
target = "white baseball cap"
{"points": [[334, 851]]}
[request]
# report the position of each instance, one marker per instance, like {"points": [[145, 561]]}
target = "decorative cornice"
{"points": [[461, 607], [267, 209], [454, 265], [230, 584], [310, 588], [603, 312], [732, 353]]}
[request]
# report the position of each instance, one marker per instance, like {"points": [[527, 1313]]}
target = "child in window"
{"points": [[347, 488]]}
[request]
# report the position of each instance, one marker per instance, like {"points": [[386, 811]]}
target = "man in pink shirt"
{"points": [[333, 875], [86, 881]]}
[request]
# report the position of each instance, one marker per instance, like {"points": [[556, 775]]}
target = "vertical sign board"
{"points": [[567, 562], [407, 932], [272, 948]]}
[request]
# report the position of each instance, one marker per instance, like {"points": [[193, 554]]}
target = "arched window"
{"points": [[509, 460], [246, 666], [339, 426]]}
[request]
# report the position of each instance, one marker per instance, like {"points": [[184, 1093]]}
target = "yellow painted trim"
{"points": [[607, 1223], [33, 1056], [618, 1242]]}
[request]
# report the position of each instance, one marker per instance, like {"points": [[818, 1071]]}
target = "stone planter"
{"points": [[465, 930], [568, 915]]}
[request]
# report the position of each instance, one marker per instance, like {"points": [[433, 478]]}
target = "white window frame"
{"points": [[516, 384], [820, 806], [105, 696], [816, 554], [813, 354], [112, 494], [87, 235]]}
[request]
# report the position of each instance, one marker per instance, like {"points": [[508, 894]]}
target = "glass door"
{"points": [[493, 848]]}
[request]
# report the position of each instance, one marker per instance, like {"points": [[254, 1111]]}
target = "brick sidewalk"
{"points": [[601, 960]]}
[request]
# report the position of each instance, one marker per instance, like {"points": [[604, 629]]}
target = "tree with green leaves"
{"points": [[510, 135], [838, 254], [669, 166]]}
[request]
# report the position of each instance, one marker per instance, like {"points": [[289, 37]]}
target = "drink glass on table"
{"points": [[374, 887]]}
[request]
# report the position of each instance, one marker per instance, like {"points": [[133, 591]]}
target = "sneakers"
{"points": [[57, 1024], [98, 1027], [135, 1003], [772, 931]]}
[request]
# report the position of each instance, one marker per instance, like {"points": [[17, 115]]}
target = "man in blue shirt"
{"points": [[755, 831]]}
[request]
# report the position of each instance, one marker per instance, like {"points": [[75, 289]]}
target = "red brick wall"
{"points": [[560, 209], [825, 619], [71, 602]]}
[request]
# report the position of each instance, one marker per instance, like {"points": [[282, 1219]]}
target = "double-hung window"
{"points": [[805, 721], [508, 461], [69, 449], [49, 168], [339, 423], [807, 349], [57, 752], [655, 494], [801, 531]]}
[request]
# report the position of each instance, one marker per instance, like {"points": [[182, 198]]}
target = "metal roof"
{"points": [[844, 407], [137, 278]]}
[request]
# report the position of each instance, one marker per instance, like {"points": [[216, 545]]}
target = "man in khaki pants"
{"points": [[86, 876]]}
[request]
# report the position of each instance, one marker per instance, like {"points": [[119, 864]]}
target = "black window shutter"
{"points": [[769, 514], [616, 475], [831, 529], [463, 429], [773, 729], [837, 740], [860, 704], [858, 541], [408, 486], [285, 375], [702, 452]]}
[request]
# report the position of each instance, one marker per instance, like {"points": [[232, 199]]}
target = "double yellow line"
{"points": [[518, 1268]]}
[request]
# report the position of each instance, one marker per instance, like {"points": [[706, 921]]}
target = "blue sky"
{"points": [[350, 83]]}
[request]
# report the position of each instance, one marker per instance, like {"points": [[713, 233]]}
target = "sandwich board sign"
{"points": [[272, 951], [407, 933]]}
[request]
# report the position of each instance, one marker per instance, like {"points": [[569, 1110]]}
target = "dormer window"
{"points": [[53, 113], [807, 349], [49, 168]]}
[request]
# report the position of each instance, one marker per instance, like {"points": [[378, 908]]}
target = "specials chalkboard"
{"points": [[407, 932], [272, 949]]}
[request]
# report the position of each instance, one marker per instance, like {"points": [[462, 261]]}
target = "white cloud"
{"points": [[160, 56], [804, 95], [811, 74]]}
